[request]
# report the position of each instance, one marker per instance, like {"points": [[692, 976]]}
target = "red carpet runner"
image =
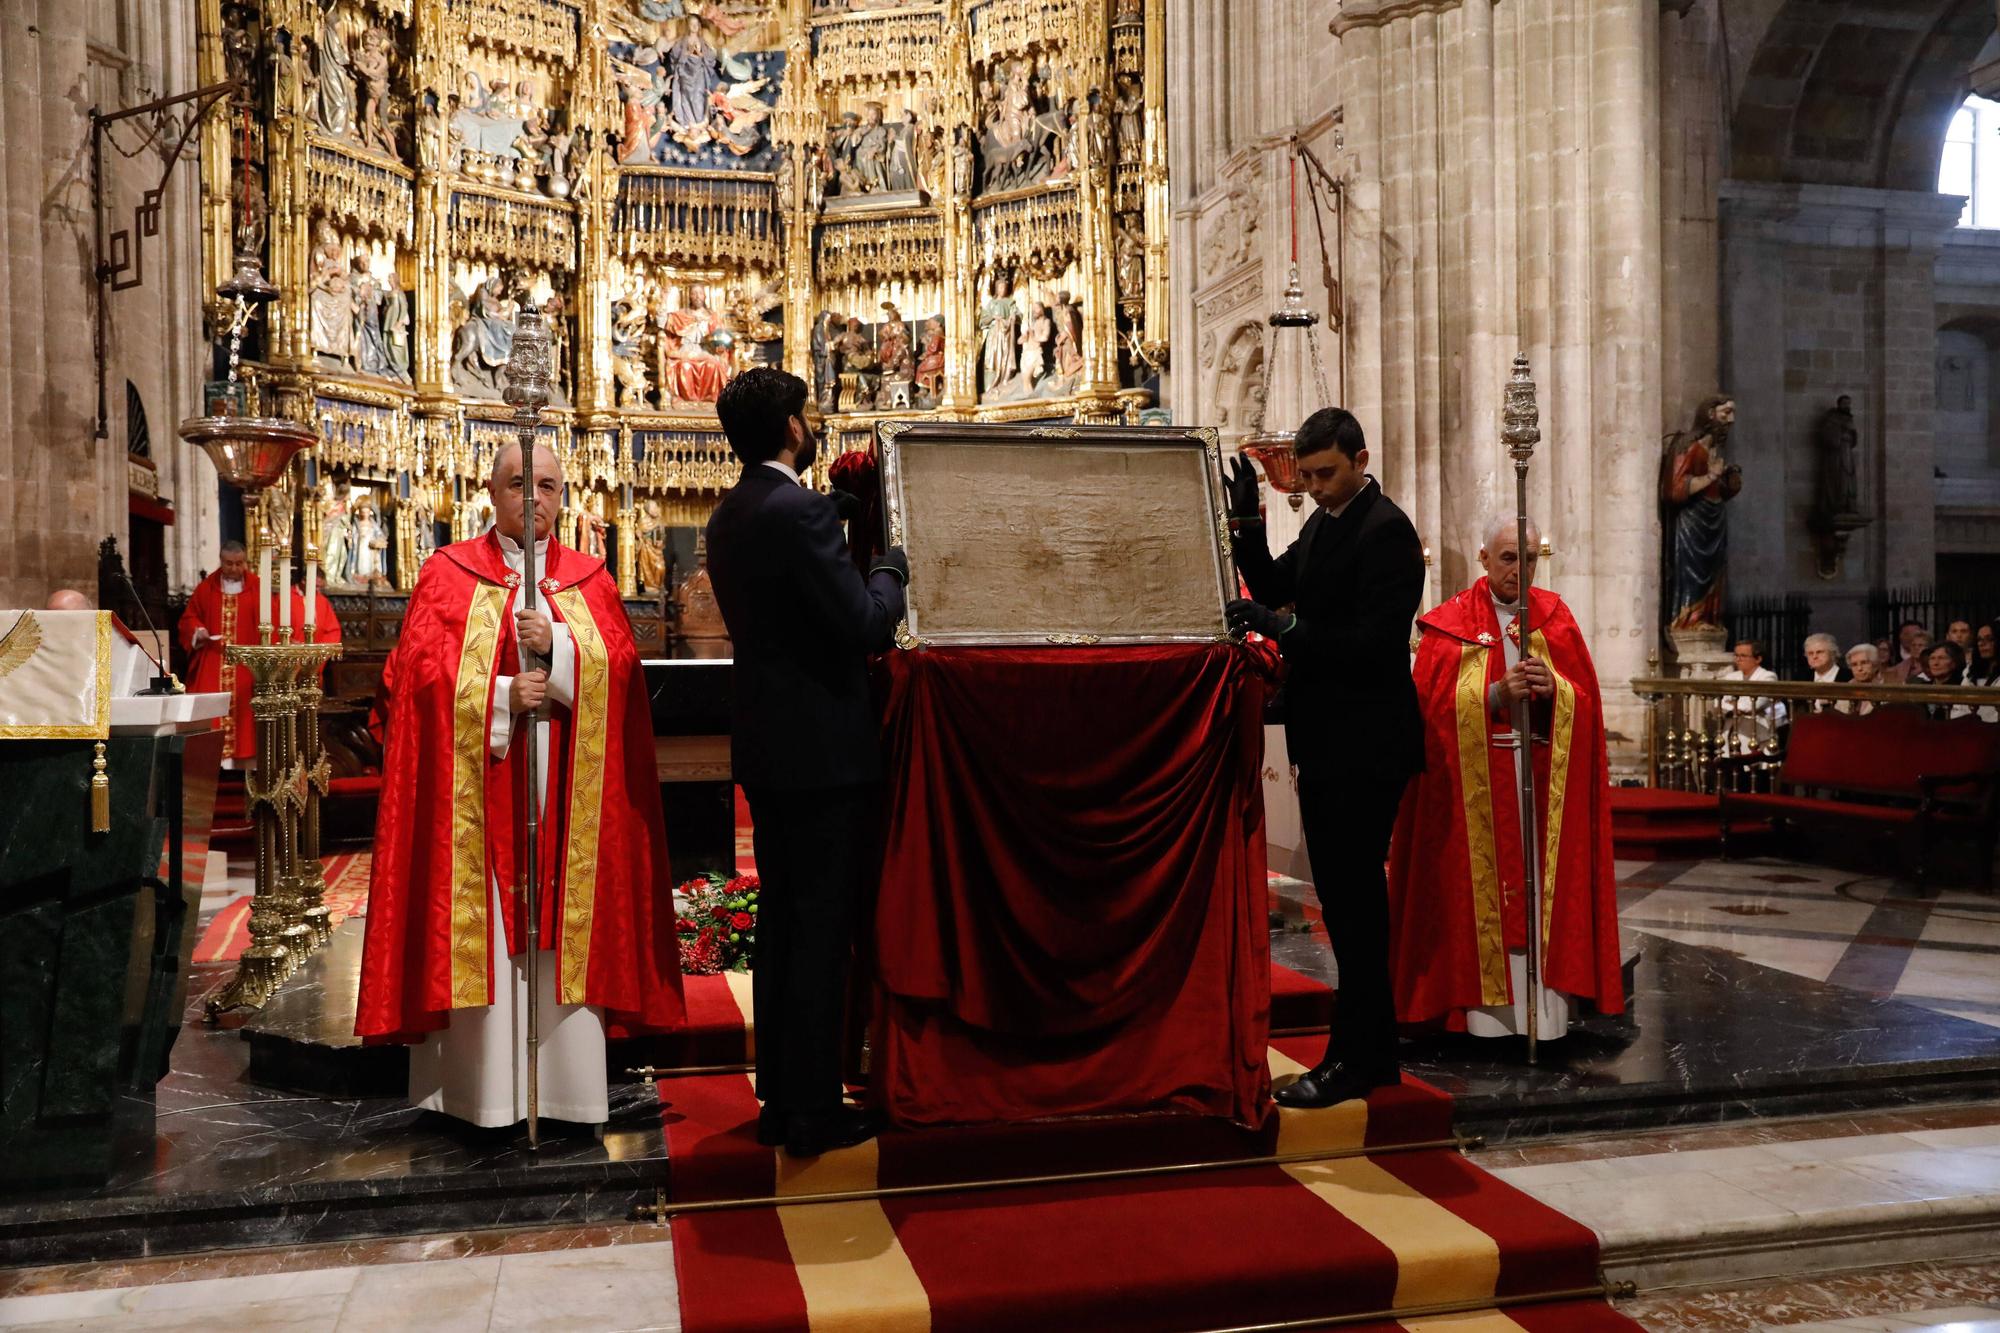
{"points": [[227, 934], [1403, 1225]]}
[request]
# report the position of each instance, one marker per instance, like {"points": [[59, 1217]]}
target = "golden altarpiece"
{"points": [[952, 209]]}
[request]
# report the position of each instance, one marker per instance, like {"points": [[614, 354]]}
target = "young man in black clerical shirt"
{"points": [[802, 621], [1347, 592]]}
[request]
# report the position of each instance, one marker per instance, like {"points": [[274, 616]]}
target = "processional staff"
{"points": [[527, 391], [1521, 431]]}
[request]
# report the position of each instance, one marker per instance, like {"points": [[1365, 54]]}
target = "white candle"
{"points": [[283, 592], [264, 588], [312, 596]]}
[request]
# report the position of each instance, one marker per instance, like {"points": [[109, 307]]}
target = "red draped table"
{"points": [[1073, 911]]}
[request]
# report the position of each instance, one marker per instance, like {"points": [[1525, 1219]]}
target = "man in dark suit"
{"points": [[802, 621], [1351, 582]]}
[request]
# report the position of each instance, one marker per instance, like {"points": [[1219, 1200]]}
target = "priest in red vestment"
{"points": [[444, 960], [222, 611], [1458, 910]]}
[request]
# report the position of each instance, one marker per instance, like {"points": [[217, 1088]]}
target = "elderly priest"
{"points": [[1458, 905], [222, 611], [444, 960]]}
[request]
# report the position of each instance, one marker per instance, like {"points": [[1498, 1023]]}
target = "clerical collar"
{"points": [[232, 586], [790, 472], [511, 550]]}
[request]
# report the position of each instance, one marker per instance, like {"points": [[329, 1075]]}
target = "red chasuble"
{"points": [[228, 618], [449, 820], [1455, 879]]}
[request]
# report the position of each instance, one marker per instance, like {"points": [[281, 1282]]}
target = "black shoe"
{"points": [[811, 1135], [1333, 1083], [771, 1127]]}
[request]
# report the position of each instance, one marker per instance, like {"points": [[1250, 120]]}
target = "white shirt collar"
{"points": [[790, 472], [232, 586], [1341, 508]]}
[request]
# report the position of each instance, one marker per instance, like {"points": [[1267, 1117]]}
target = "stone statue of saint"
{"points": [[1839, 490], [371, 68], [1000, 336], [1696, 482], [333, 77], [335, 538], [331, 304], [371, 344]]}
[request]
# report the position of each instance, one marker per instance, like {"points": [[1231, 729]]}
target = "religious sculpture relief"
{"points": [[1231, 237], [1024, 128], [354, 539], [686, 95], [706, 248]]}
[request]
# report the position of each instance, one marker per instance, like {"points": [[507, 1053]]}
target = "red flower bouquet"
{"points": [[716, 918]]}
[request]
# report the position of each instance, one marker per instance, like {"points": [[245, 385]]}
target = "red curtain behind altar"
{"points": [[1073, 911]]}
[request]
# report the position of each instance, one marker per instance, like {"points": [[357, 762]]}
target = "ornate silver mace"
{"points": [[527, 391], [1521, 431]]}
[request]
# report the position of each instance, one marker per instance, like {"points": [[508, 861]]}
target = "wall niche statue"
{"points": [[1836, 513]]}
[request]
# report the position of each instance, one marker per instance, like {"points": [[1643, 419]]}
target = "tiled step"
{"points": [[1687, 1215]]}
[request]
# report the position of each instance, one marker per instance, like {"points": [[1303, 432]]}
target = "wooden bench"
{"points": [[1890, 770]]}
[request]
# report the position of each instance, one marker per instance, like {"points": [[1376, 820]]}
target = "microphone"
{"points": [[162, 683]]}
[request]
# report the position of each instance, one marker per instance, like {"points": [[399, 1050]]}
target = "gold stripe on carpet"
{"points": [[835, 1172], [853, 1271], [739, 991], [1476, 1321], [1328, 1129], [1440, 1257]]}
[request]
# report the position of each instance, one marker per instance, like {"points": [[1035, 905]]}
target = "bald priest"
{"points": [[1458, 908], [444, 963]]}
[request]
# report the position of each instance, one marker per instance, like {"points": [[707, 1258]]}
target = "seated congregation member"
{"points": [[1823, 656], [1983, 671], [444, 962], [1749, 722], [804, 745], [1960, 633], [1864, 665], [1913, 642], [1353, 581], [1459, 909], [1944, 666]]}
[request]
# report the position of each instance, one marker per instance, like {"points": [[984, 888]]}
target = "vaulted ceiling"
{"points": [[1853, 92]]}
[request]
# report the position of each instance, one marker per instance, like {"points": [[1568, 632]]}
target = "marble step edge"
{"points": [[1964, 1227]]}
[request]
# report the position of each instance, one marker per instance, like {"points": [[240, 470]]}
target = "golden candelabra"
{"points": [[288, 920]]}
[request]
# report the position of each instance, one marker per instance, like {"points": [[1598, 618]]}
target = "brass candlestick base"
{"points": [[287, 920]]}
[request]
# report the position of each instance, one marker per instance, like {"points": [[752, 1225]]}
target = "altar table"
{"points": [[1073, 914]]}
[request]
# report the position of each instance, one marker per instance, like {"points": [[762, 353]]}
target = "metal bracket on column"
{"points": [[121, 260]]}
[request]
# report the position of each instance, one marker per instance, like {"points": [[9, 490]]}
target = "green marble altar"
{"points": [[96, 935]]}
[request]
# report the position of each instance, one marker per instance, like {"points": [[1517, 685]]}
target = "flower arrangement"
{"points": [[716, 919]]}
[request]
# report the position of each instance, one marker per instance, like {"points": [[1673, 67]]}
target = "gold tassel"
{"points": [[100, 794]]}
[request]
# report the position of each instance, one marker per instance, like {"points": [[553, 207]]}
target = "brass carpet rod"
{"points": [[663, 1208]]}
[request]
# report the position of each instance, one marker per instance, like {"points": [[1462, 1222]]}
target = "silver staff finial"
{"points": [[1521, 419], [527, 373]]}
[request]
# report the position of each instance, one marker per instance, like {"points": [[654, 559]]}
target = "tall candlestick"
{"points": [[264, 587], [283, 592], [312, 595]]}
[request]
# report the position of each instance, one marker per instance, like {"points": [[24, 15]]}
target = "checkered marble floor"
{"points": [[1939, 948]]}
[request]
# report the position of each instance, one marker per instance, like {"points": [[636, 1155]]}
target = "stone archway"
{"points": [[1238, 389]]}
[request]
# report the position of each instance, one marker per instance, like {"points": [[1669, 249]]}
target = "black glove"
{"points": [[848, 505], [1246, 616], [893, 561], [1246, 495]]}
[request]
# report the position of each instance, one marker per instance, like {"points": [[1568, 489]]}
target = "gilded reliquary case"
{"points": [[1021, 535]]}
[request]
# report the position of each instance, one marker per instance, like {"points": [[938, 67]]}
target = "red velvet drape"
{"points": [[1073, 904]]}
